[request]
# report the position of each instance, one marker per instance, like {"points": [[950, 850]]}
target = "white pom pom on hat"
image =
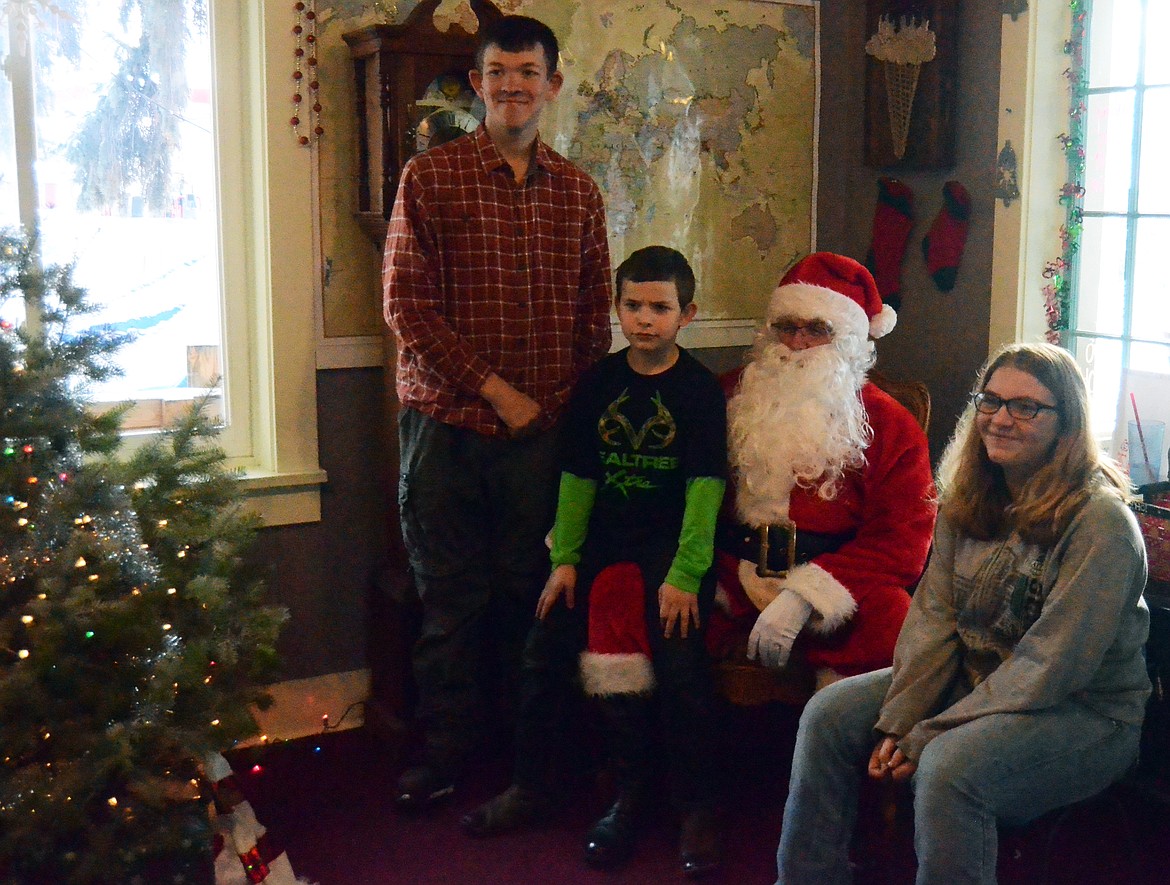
{"points": [[825, 285]]}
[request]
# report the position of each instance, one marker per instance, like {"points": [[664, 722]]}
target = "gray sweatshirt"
{"points": [[1004, 626]]}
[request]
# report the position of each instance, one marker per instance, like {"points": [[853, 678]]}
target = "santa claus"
{"points": [[833, 503]]}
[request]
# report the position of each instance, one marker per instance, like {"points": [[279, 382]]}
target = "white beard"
{"points": [[796, 419]]}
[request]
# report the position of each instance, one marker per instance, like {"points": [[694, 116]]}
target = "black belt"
{"points": [[769, 547]]}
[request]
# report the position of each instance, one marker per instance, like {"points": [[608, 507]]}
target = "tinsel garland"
{"points": [[1058, 272]]}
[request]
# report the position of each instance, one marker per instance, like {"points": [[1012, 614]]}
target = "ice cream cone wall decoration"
{"points": [[902, 48]]}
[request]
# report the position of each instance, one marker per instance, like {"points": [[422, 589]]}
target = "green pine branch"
{"points": [[134, 635]]}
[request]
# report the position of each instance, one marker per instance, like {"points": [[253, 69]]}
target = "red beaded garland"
{"points": [[305, 30]]}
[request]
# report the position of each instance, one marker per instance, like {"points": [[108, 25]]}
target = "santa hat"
{"points": [[832, 287], [617, 659]]}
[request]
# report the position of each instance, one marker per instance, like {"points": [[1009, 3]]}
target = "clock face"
{"points": [[443, 125]]}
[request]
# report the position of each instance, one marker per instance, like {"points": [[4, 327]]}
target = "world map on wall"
{"points": [[698, 121], [696, 117]]}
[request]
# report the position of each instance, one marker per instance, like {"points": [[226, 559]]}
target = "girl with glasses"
{"points": [[1019, 683]]}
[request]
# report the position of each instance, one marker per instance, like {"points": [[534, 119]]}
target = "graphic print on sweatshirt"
{"points": [[994, 618]]}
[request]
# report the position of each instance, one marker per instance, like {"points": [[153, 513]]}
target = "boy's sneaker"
{"points": [[513, 809], [421, 787]]}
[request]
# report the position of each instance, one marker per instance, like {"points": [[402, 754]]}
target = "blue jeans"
{"points": [[1009, 767]]}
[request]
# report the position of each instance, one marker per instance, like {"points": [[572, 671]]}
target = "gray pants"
{"points": [[475, 511]]}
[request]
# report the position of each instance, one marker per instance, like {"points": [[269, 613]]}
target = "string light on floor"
{"points": [[306, 87]]}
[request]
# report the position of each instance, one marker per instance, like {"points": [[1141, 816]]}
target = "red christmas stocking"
{"points": [[892, 221], [943, 246]]}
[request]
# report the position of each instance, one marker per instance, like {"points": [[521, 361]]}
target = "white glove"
{"points": [[776, 628]]}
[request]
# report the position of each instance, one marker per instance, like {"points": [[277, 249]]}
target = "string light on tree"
{"points": [[110, 631]]}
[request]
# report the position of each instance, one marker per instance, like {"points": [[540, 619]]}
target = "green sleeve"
{"points": [[696, 542], [574, 504]]}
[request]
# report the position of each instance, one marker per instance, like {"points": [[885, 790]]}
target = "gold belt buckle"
{"points": [[762, 561]]}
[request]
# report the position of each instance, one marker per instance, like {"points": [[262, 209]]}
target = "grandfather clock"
{"points": [[412, 92]]}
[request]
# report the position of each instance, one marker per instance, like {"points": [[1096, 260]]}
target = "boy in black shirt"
{"points": [[642, 482]]}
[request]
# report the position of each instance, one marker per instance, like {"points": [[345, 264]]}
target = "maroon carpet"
{"points": [[330, 803]]}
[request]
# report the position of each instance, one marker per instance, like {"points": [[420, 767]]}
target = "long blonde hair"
{"points": [[973, 492]]}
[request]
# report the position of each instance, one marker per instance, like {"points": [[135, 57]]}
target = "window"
{"points": [[122, 182], [1119, 325], [213, 265]]}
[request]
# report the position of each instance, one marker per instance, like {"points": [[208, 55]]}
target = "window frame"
{"points": [[1131, 215], [268, 265], [1033, 112], [1035, 115], [276, 259]]}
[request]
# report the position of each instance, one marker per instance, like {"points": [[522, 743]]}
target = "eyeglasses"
{"points": [[817, 329], [1021, 409]]}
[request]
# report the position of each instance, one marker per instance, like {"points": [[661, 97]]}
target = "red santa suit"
{"points": [[812, 442], [859, 591]]}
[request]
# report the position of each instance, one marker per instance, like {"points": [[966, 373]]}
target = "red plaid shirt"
{"points": [[484, 275]]}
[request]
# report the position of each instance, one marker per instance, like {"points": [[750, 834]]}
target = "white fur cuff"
{"points": [[608, 674], [832, 603]]}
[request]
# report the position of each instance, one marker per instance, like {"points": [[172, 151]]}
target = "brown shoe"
{"points": [[698, 845], [513, 809]]}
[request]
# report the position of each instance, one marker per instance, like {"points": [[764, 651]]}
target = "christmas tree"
{"points": [[132, 634]]}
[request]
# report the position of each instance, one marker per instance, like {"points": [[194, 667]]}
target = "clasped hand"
{"points": [[520, 413], [888, 763]]}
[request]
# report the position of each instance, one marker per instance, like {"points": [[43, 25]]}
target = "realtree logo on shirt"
{"points": [[626, 470], [659, 428]]}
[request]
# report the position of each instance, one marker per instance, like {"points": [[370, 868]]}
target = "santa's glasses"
{"points": [[817, 330]]}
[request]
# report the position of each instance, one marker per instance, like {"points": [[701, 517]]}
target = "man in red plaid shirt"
{"points": [[496, 282]]}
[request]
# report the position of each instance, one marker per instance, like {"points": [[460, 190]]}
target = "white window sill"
{"points": [[284, 498]]}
